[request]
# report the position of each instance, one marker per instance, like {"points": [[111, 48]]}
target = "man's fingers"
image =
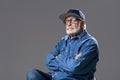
{"points": [[78, 55]]}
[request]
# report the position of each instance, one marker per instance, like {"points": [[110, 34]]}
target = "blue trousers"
{"points": [[36, 74]]}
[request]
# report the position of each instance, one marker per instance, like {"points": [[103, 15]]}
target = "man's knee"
{"points": [[34, 75]]}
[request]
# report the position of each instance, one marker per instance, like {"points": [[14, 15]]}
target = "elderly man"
{"points": [[75, 56]]}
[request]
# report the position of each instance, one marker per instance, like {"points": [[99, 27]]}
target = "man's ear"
{"points": [[82, 24]]}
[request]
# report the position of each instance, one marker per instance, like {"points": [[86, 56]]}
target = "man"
{"points": [[75, 56]]}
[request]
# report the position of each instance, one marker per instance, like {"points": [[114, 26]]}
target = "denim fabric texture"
{"points": [[61, 60]]}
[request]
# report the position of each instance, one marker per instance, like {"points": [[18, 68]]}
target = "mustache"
{"points": [[69, 27]]}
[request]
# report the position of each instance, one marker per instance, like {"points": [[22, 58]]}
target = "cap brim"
{"points": [[65, 15]]}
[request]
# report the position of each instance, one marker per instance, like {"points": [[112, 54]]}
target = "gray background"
{"points": [[29, 29]]}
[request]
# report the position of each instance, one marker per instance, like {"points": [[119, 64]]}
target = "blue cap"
{"points": [[73, 12]]}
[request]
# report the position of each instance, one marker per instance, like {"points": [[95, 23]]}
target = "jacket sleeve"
{"points": [[51, 62], [84, 63]]}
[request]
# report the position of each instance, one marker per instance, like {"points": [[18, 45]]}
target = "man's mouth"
{"points": [[70, 28]]}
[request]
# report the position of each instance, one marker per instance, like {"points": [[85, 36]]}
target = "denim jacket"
{"points": [[61, 60]]}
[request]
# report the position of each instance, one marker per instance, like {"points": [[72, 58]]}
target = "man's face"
{"points": [[72, 25]]}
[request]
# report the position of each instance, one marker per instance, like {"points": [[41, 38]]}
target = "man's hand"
{"points": [[56, 56], [78, 56]]}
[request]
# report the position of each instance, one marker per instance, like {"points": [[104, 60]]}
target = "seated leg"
{"points": [[35, 74]]}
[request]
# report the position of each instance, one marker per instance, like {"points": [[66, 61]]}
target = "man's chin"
{"points": [[73, 33], [70, 33]]}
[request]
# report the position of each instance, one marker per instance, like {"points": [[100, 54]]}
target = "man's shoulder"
{"points": [[65, 37], [89, 39]]}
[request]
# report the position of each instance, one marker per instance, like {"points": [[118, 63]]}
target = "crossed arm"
{"points": [[88, 56]]}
